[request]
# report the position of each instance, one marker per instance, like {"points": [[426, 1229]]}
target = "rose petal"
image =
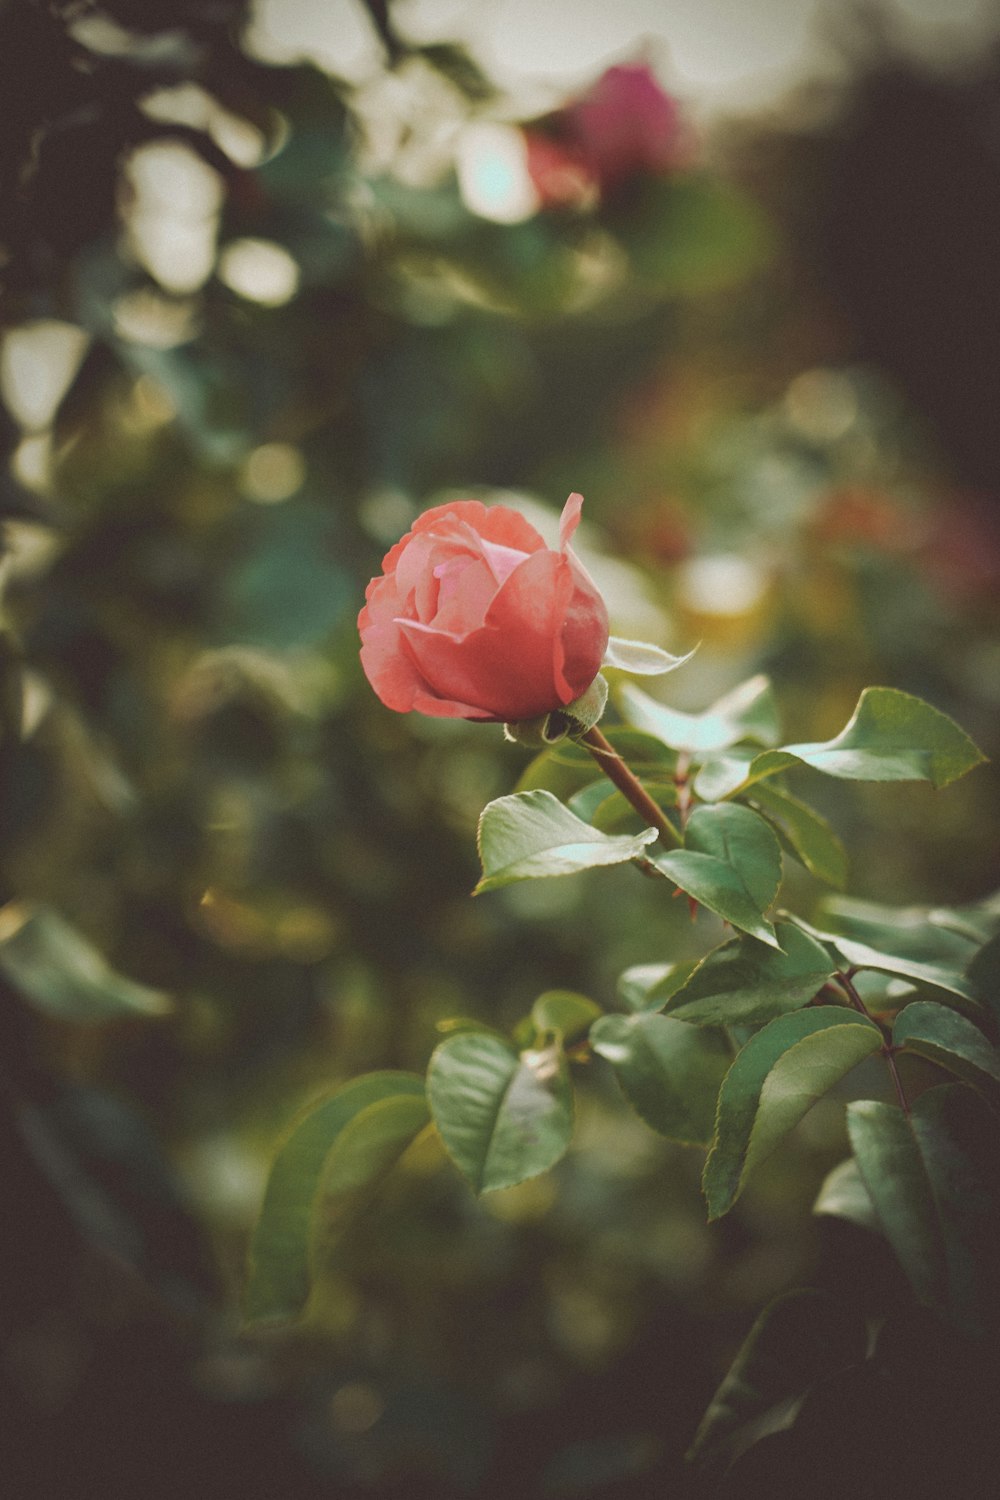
{"points": [[508, 667], [570, 519], [465, 592]]}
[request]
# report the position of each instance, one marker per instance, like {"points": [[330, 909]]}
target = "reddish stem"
{"points": [[629, 785]]}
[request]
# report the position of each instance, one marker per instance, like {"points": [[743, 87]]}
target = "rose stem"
{"points": [[629, 785], [888, 1051]]}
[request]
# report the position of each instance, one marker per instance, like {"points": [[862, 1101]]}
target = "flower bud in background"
{"points": [[475, 618], [624, 127]]}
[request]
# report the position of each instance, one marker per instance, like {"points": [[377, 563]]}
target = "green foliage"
{"points": [[803, 831], [744, 982], [891, 736], [731, 863], [55, 969], [774, 1080], [748, 713], [503, 1117], [531, 834], [799, 1339], [564, 1012], [951, 1041], [844, 1196], [311, 1193], [668, 1071], [932, 1175]]}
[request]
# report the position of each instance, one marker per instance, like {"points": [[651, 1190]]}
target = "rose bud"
{"points": [[475, 618]]}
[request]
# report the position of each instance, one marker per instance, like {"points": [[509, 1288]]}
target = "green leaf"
{"points": [[280, 1277], [801, 1338], [640, 658], [359, 1160], [58, 971], [565, 1012], [850, 954], [747, 713], [948, 1039], [891, 736], [568, 767], [607, 809], [844, 1196], [502, 1117], [983, 976], [933, 1176], [773, 1082], [743, 982], [806, 834], [650, 986], [731, 863], [531, 834], [930, 934], [668, 1071]]}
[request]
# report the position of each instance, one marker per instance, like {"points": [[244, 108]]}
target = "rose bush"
{"points": [[474, 617]]}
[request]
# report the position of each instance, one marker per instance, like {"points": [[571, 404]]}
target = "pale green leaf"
{"points": [[503, 1117], [650, 986], [56, 969], [531, 834], [844, 1196], [773, 1082], [640, 658], [565, 1012], [668, 1071], [931, 934], [747, 713]]}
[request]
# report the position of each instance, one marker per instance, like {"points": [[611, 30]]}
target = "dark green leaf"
{"points": [[799, 1339], [807, 835], [280, 1278], [668, 1071], [731, 863], [774, 1080], [58, 971], [983, 976], [948, 1039], [747, 713], [502, 1117], [744, 982], [933, 1178], [531, 834]]}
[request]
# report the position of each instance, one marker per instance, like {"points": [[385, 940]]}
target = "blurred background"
{"points": [[276, 276]]}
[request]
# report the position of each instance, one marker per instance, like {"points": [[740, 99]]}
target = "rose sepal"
{"points": [[559, 723]]}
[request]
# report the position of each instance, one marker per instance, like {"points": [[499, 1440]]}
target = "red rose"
{"points": [[475, 618]]}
